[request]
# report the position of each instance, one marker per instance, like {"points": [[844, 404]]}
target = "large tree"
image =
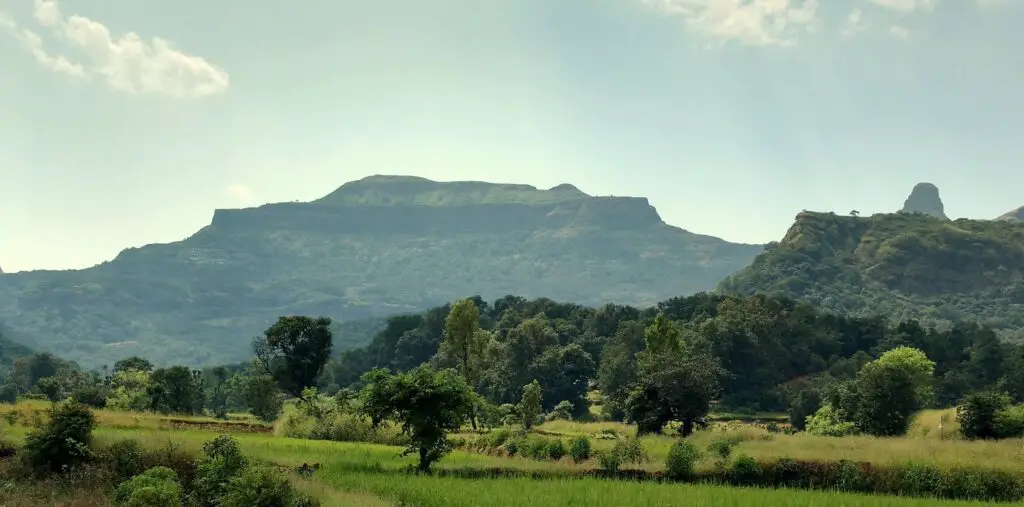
{"points": [[465, 342], [293, 352], [676, 381], [427, 403]]}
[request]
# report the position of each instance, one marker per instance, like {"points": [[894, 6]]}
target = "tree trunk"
{"points": [[687, 427], [424, 464], [472, 416]]}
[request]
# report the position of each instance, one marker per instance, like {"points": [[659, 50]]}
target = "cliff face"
{"points": [[901, 265], [375, 247]]}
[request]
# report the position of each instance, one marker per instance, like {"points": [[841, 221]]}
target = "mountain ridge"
{"points": [[380, 246]]}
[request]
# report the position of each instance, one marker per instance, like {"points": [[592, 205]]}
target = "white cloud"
{"points": [[900, 32], [239, 192], [127, 63], [748, 22], [854, 23], [905, 6]]}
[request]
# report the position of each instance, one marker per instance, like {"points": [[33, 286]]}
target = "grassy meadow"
{"points": [[363, 474]]}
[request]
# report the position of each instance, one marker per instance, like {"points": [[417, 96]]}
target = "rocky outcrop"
{"points": [[924, 198]]}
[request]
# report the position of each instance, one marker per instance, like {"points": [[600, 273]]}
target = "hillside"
{"points": [[374, 247], [1016, 215], [903, 265], [9, 352]]}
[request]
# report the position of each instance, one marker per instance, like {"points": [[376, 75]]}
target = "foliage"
{"points": [[388, 251], [260, 393], [890, 389], [579, 449], [427, 403], [976, 414], [260, 486], [625, 452], [222, 460], [530, 405], [156, 487], [63, 441], [561, 412], [827, 422], [177, 390], [129, 390], [682, 457], [294, 351], [904, 266]]}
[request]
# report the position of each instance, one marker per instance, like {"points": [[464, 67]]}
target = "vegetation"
{"points": [[371, 249], [904, 266]]}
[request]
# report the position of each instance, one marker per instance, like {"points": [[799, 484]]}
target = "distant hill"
{"points": [[9, 352], [372, 248], [1016, 215], [903, 265]]}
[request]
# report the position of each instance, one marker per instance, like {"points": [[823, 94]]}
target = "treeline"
{"points": [[772, 350], [774, 354]]}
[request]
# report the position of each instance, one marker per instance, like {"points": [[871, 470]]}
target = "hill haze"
{"points": [[373, 247]]}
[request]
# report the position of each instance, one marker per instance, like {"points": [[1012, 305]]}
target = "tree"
{"points": [[464, 340], [177, 390], [427, 403], [530, 406], [976, 413], [293, 352], [132, 363], [854, 213], [129, 391], [218, 401], [676, 381], [890, 389], [260, 393]]}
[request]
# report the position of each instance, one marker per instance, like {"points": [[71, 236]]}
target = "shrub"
{"points": [[827, 423], [555, 450], [8, 393], [1009, 422], [579, 449], [124, 458], [745, 470], [222, 461], [920, 479], [156, 487], [262, 486], [562, 411], [976, 414], [681, 459], [63, 441], [625, 452], [722, 446], [93, 396]]}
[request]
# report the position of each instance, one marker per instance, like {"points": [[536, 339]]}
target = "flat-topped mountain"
{"points": [[899, 265], [374, 247]]}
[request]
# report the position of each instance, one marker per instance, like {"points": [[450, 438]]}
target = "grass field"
{"points": [[361, 474]]}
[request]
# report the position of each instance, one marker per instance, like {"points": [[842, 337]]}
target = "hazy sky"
{"points": [[126, 122]]}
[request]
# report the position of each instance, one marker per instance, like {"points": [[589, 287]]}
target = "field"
{"points": [[362, 474]]}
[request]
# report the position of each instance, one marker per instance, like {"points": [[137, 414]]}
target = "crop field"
{"points": [[363, 474]]}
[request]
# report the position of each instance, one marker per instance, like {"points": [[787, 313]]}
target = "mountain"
{"points": [[1016, 215], [924, 198], [899, 265], [375, 247], [9, 352]]}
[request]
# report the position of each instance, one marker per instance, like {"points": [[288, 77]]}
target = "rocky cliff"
{"points": [[924, 198]]}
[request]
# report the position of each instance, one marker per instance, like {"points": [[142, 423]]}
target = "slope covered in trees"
{"points": [[771, 349], [372, 248], [903, 266]]}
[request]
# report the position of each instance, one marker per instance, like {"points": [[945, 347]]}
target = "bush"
{"points": [[562, 411], [124, 458], [63, 441], [625, 452], [555, 450], [579, 449], [722, 446], [681, 459], [156, 487], [745, 470], [827, 423], [262, 486], [976, 414], [1009, 422], [92, 396], [920, 479], [222, 461]]}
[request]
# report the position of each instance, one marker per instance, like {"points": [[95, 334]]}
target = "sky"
{"points": [[127, 122]]}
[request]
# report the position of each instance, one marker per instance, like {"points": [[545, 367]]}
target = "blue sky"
{"points": [[127, 122]]}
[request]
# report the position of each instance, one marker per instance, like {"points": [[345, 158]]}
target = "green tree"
{"points": [[294, 351], [177, 390], [890, 389], [465, 341], [677, 381], [132, 363], [428, 404], [977, 413], [129, 391], [261, 394], [530, 406]]}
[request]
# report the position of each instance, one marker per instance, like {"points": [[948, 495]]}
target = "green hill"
{"points": [[372, 248], [9, 352], [904, 265]]}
